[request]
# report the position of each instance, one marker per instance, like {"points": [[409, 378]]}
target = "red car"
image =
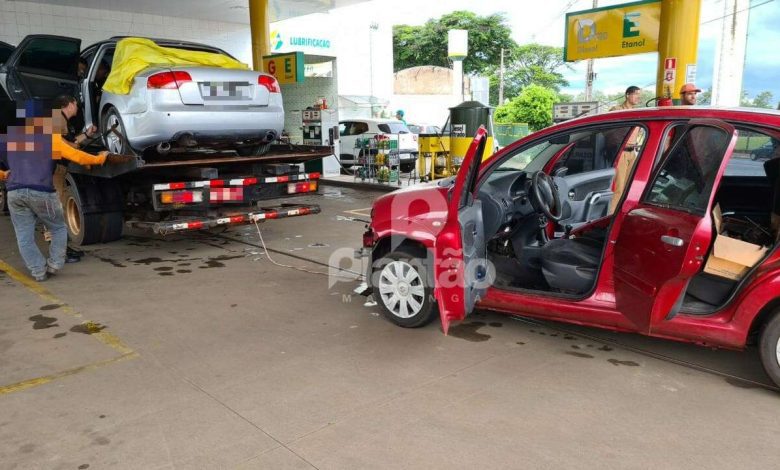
{"points": [[651, 221]]}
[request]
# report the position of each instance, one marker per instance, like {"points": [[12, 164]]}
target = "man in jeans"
{"points": [[31, 152]]}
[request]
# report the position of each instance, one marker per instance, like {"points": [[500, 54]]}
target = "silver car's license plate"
{"points": [[225, 90]]}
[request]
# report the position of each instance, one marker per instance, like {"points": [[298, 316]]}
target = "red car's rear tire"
{"points": [[769, 348]]}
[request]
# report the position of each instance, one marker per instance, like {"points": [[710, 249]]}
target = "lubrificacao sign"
{"points": [[630, 28], [280, 41]]}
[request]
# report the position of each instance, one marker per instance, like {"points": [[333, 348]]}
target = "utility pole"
{"points": [[730, 54], [589, 75], [501, 80]]}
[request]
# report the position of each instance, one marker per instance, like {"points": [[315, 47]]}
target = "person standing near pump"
{"points": [[32, 150], [400, 116], [632, 95], [627, 159], [688, 94]]}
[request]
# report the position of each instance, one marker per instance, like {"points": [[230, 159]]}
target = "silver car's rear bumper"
{"points": [[152, 127], [154, 116]]}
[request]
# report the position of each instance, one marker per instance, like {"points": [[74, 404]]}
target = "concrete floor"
{"points": [[197, 352]]}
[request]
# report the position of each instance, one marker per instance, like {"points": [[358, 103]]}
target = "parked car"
{"points": [[167, 107], [526, 233], [423, 129], [353, 129], [764, 152], [5, 51]]}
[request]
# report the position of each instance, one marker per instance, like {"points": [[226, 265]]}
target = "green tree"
{"points": [[427, 44], [533, 106], [529, 64], [704, 98], [763, 100]]}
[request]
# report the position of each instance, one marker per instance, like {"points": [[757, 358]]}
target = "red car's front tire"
{"points": [[769, 348], [402, 290]]}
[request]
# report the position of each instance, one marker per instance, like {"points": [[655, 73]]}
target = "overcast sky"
{"points": [[529, 23]]}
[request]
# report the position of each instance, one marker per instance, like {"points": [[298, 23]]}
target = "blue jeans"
{"points": [[26, 206]]}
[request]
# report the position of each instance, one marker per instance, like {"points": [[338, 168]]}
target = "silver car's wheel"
{"points": [[402, 291], [114, 135]]}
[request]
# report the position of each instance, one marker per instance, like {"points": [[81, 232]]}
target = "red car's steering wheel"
{"points": [[545, 197]]}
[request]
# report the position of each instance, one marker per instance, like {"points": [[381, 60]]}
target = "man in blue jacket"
{"points": [[31, 151]]}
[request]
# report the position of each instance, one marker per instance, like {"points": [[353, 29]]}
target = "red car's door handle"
{"points": [[669, 240]]}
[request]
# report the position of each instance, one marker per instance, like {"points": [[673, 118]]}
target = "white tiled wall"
{"points": [[18, 19]]}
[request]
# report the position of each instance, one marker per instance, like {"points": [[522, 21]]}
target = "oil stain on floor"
{"points": [[41, 322], [579, 354], [468, 331], [88, 328]]}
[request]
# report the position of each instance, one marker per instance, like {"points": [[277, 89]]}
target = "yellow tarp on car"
{"points": [[133, 55]]}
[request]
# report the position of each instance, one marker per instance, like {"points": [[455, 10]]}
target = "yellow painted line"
{"points": [[364, 212], [92, 328], [24, 385]]}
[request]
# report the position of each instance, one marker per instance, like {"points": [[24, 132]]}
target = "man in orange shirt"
{"points": [[32, 151]]}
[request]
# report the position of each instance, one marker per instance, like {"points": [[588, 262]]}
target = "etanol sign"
{"points": [[630, 28]]}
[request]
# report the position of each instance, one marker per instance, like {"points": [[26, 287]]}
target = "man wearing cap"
{"points": [[632, 99], [400, 115], [688, 94]]}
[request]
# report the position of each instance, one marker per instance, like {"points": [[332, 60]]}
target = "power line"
{"points": [[736, 12], [555, 18]]}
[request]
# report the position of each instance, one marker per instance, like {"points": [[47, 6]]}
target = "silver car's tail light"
{"points": [[269, 82], [167, 80]]}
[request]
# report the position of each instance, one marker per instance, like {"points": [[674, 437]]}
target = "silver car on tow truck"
{"points": [[167, 109]]}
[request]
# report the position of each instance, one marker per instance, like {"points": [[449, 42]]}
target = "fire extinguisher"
{"points": [[665, 100]]}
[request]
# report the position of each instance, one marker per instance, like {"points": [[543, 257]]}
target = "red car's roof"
{"points": [[760, 116]]}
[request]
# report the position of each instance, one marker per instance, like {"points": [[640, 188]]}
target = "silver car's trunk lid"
{"points": [[212, 86]]}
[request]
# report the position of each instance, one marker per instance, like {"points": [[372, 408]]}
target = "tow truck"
{"points": [[187, 191]]}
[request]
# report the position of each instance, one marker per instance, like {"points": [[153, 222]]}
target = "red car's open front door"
{"points": [[663, 241], [460, 268]]}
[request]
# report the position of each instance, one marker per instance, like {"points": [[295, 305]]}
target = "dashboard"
{"points": [[505, 199]]}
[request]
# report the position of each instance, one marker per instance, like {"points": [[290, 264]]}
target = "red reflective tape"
{"points": [[217, 183], [272, 215], [304, 211], [314, 176], [236, 219], [283, 179], [248, 181], [195, 225], [177, 185]]}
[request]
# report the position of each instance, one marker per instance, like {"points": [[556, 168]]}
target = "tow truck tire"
{"points": [[86, 228], [254, 150], [769, 348], [402, 290]]}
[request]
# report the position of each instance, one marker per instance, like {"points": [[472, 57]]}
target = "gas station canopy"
{"points": [[233, 11]]}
